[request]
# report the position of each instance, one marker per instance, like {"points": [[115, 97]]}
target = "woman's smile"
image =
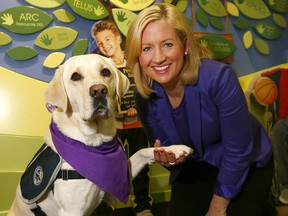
{"points": [[161, 69]]}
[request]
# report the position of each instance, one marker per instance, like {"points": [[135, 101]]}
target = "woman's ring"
{"points": [[172, 163]]}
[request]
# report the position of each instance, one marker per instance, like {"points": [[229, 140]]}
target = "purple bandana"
{"points": [[106, 165]]}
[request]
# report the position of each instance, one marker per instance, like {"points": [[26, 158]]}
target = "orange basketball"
{"points": [[265, 91]]}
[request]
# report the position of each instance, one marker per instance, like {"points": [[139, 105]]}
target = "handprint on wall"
{"points": [[204, 43], [99, 11], [121, 16], [124, 1], [8, 19], [260, 28], [46, 40]]}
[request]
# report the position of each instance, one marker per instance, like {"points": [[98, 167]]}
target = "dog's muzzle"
{"points": [[99, 94]]}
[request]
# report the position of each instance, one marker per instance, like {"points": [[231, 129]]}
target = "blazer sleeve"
{"points": [[236, 133]]}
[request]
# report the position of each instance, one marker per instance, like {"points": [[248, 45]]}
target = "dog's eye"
{"points": [[105, 72], [76, 76]]}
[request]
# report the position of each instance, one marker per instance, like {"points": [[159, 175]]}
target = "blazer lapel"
{"points": [[192, 97], [193, 108]]}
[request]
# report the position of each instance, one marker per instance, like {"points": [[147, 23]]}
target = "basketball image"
{"points": [[265, 91]]}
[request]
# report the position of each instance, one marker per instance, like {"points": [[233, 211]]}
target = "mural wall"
{"points": [[37, 36]]}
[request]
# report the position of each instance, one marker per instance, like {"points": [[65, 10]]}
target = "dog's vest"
{"points": [[39, 174], [106, 166]]}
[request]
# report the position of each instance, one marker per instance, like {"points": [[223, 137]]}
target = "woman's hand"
{"points": [[166, 158], [218, 206]]}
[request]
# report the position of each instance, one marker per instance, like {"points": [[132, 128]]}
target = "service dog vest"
{"points": [[39, 174]]}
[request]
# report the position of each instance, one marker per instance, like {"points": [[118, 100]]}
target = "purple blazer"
{"points": [[222, 131]]}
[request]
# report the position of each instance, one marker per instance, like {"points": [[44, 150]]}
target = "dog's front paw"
{"points": [[179, 149]]}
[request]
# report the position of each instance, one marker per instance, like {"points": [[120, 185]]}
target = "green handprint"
{"points": [[124, 1], [260, 28], [204, 43], [46, 40], [99, 11], [8, 19], [121, 16]]}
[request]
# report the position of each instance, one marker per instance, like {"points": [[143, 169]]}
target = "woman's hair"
{"points": [[178, 21]]}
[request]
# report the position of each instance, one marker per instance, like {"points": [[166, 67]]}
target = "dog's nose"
{"points": [[97, 91]]}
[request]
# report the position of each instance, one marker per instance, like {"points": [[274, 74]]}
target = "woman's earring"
{"points": [[186, 53]]}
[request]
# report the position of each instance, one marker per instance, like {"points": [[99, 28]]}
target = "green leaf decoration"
{"points": [[216, 23], [92, 10], [218, 45], [213, 7], [64, 16], [202, 17], [279, 20], [182, 5], [4, 39], [24, 19], [254, 9], [261, 46], [267, 30], [242, 23], [279, 6], [131, 5], [46, 3], [168, 1], [21, 53], [54, 60], [56, 38], [123, 19], [80, 47], [247, 39], [232, 9]]}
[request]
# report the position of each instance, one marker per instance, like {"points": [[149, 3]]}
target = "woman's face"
{"points": [[107, 42], [162, 54]]}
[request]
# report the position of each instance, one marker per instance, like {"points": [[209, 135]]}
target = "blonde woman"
{"points": [[184, 97]]}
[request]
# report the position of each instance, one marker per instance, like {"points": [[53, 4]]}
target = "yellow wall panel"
{"points": [[22, 107]]}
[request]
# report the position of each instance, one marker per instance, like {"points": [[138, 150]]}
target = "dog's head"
{"points": [[86, 85]]}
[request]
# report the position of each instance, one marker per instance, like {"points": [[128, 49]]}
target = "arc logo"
{"points": [[38, 175]]}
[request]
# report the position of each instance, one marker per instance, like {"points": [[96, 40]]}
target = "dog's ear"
{"points": [[122, 83], [55, 93]]}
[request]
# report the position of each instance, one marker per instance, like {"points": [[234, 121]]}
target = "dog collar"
{"points": [[106, 165]]}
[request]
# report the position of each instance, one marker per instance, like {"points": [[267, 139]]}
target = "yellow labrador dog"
{"points": [[82, 161]]}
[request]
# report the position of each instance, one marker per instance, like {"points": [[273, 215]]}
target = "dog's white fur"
{"points": [[77, 117]]}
